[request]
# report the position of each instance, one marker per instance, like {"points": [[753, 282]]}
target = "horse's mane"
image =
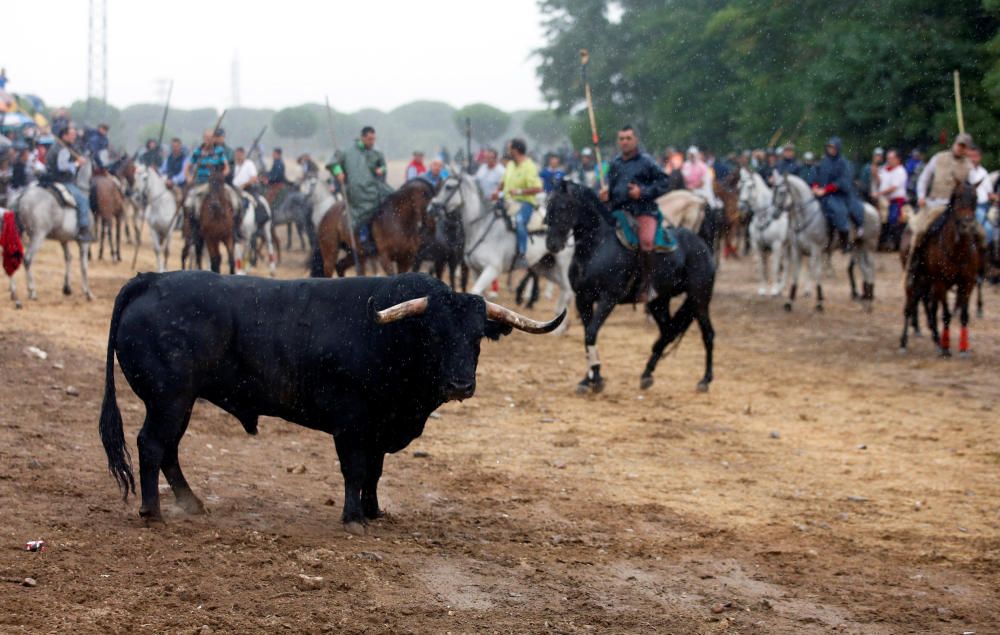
{"points": [[587, 197]]}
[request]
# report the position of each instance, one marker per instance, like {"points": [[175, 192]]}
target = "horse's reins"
{"points": [[792, 196], [489, 212]]}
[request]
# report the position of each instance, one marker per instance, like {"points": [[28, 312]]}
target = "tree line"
{"points": [[736, 74]]}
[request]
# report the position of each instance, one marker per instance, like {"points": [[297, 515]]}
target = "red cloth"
{"points": [[418, 166], [10, 243]]}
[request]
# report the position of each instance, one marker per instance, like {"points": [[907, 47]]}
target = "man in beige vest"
{"points": [[934, 190]]}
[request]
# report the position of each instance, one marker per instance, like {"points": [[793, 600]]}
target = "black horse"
{"points": [[604, 273], [442, 241]]}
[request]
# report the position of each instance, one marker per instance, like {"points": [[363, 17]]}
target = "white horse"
{"points": [[491, 248], [768, 232], [250, 230], [159, 209], [318, 197], [43, 216]]}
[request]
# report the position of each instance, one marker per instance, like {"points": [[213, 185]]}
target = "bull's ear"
{"points": [[496, 330]]}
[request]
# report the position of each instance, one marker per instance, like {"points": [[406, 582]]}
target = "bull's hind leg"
{"points": [[157, 442], [185, 497]]}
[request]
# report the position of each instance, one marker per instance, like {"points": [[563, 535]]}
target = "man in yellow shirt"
{"points": [[521, 183]]}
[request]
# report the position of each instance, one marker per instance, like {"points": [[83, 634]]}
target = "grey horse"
{"points": [[42, 216]]}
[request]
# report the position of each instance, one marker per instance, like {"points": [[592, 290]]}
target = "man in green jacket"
{"points": [[361, 172]]}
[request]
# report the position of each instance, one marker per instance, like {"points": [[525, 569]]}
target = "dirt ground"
{"points": [[825, 484]]}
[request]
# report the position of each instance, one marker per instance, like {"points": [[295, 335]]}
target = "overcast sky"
{"points": [[362, 53]]}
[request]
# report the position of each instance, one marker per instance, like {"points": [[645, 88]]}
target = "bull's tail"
{"points": [[316, 262], [111, 429]]}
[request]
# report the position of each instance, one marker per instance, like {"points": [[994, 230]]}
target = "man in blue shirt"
{"points": [[552, 173]]}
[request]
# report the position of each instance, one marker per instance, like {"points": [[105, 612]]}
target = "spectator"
{"points": [[489, 176], [552, 173], [979, 177], [868, 176], [808, 169], [587, 173], [416, 166], [892, 187], [436, 173], [788, 164]]}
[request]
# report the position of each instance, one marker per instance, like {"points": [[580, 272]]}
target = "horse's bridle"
{"points": [[784, 187]]}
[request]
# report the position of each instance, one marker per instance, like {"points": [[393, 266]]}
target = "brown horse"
{"points": [[728, 191], [216, 224], [109, 207], [949, 256], [396, 230]]}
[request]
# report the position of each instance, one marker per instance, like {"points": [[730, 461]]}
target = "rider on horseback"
{"points": [[834, 187], [362, 169], [205, 160], [61, 166], [634, 184], [934, 190], [521, 183]]}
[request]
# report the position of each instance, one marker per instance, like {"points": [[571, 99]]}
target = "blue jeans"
{"points": [[523, 217], [838, 210], [82, 205], [982, 209]]}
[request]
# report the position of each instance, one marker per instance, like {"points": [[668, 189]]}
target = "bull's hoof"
{"points": [[702, 386], [645, 382], [355, 528], [191, 504], [788, 307]]}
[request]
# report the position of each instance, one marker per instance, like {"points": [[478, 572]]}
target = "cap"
{"points": [[878, 150], [586, 152], [808, 156], [964, 139], [692, 150]]}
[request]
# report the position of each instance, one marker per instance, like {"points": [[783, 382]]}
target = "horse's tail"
{"points": [[111, 429]]}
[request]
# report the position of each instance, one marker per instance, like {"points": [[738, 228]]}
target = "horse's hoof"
{"points": [[152, 519], [67, 291], [819, 308], [354, 528], [702, 386], [645, 382], [191, 504], [18, 305], [597, 386], [965, 354], [583, 387], [91, 297], [788, 307], [902, 350], [761, 291], [945, 352]]}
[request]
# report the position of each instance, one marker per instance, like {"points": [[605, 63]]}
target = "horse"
{"points": [[216, 223], [727, 190], [291, 211], [491, 243], [949, 257], [605, 273], [159, 210], [862, 258], [109, 209], [768, 231], [42, 215], [443, 243], [254, 232], [689, 209]]}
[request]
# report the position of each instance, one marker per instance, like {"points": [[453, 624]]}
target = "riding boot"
{"points": [[84, 235], [645, 273], [845, 242]]}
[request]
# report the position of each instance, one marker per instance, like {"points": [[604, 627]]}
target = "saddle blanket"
{"points": [[62, 194], [536, 224], [627, 232]]}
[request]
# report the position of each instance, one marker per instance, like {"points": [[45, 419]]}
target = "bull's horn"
{"points": [[402, 310], [499, 313]]}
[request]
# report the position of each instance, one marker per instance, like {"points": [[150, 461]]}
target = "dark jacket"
{"points": [[834, 174], [277, 173], [788, 166], [643, 171], [175, 164]]}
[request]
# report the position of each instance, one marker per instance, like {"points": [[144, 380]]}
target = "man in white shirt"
{"points": [[979, 175], [489, 176], [244, 180], [892, 187]]}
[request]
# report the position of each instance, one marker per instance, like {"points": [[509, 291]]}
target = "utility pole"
{"points": [[97, 57], [235, 80]]}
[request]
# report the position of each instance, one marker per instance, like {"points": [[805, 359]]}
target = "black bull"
{"points": [[364, 359]]}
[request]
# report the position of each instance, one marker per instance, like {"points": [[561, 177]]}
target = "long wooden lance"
{"points": [[584, 62], [163, 120]]}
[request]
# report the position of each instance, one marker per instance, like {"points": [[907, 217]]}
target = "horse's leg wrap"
{"points": [[963, 340], [946, 338], [593, 362]]}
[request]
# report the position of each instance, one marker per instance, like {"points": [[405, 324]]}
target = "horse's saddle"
{"points": [[62, 194], [259, 205], [118, 183], [627, 230], [536, 224]]}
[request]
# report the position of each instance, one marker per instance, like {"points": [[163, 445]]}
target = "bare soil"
{"points": [[825, 484]]}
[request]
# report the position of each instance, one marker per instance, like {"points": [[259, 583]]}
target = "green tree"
{"points": [[297, 122], [546, 127], [488, 123]]}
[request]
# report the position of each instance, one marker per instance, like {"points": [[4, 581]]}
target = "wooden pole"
{"points": [[958, 102], [584, 61]]}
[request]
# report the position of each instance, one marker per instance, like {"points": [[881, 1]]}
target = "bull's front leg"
{"points": [[369, 489], [353, 466]]}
